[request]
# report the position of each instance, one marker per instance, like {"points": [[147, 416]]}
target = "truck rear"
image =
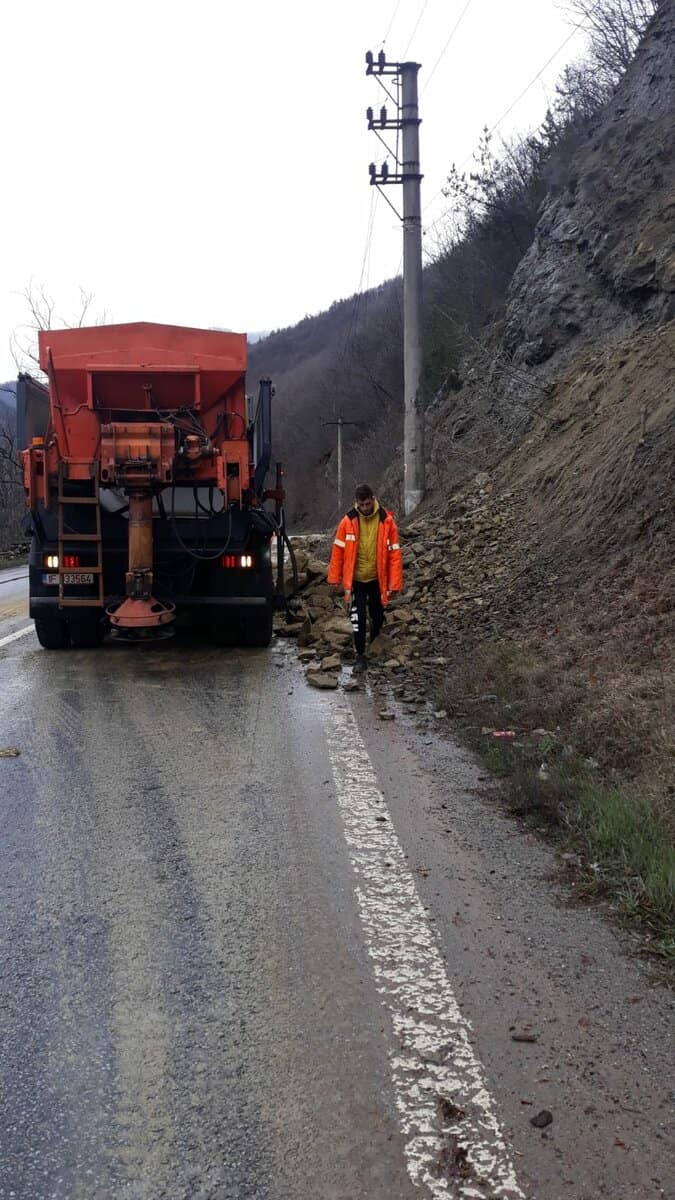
{"points": [[145, 466]]}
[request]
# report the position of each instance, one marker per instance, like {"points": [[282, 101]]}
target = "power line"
{"points": [[422, 12], [510, 108], [533, 81], [366, 259], [393, 18], [441, 55]]}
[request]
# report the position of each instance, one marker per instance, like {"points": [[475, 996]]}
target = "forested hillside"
{"points": [[346, 361]]}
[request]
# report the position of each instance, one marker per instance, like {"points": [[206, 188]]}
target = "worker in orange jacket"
{"points": [[366, 561]]}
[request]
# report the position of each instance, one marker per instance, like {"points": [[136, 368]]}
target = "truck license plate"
{"points": [[69, 577]]}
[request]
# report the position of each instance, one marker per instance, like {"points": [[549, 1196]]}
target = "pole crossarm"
{"points": [[384, 121], [405, 121], [380, 66], [385, 177]]}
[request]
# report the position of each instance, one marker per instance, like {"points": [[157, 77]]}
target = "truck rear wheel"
{"points": [[52, 635]]}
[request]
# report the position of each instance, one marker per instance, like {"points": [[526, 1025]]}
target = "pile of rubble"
{"points": [[454, 566]]}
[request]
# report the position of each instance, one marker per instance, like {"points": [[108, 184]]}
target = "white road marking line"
{"points": [[454, 1144], [11, 637], [15, 579]]}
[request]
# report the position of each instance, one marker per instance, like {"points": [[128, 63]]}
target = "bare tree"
{"points": [[41, 314], [614, 28], [11, 491]]}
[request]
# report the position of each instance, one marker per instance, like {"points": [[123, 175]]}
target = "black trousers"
{"points": [[366, 602]]}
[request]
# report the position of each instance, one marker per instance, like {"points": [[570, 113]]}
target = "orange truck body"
{"points": [[148, 413], [98, 374]]}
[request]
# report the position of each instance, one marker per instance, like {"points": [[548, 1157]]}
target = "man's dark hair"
{"points": [[363, 492]]}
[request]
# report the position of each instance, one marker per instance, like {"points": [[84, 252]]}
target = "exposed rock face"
{"points": [[595, 285], [603, 257]]}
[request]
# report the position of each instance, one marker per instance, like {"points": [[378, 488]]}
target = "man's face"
{"points": [[366, 506]]}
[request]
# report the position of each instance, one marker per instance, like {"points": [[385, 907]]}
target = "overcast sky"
{"points": [[206, 164]]}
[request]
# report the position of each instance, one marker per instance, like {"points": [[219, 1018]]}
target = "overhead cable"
{"points": [[422, 12], [391, 22], [441, 55], [508, 110]]}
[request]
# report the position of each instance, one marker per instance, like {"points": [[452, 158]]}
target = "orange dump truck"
{"points": [[145, 467]]}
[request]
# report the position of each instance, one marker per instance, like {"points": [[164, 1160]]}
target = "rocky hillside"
{"points": [[561, 430], [600, 268]]}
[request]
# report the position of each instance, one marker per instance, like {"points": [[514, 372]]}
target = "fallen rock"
{"points": [[382, 648], [321, 679], [336, 624], [336, 641], [386, 714], [301, 560], [333, 662], [542, 1119]]}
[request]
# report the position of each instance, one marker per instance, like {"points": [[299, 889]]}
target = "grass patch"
{"points": [[564, 771], [630, 839]]}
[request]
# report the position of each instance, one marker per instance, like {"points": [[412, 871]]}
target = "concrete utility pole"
{"points": [[407, 173], [340, 423]]}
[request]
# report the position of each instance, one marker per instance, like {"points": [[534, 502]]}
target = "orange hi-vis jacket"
{"points": [[389, 558]]}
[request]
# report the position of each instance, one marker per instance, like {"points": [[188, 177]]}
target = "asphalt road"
{"points": [[257, 942]]}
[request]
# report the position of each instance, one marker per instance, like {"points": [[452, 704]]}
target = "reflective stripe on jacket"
{"points": [[389, 558]]}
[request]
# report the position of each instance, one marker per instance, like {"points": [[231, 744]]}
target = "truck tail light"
{"points": [[70, 562], [237, 560]]}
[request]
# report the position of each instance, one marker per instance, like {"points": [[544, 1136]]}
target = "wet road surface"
{"points": [[256, 943], [13, 599]]}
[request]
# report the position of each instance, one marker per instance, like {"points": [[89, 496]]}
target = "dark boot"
{"points": [[360, 665]]}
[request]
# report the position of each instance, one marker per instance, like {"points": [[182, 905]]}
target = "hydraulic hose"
{"points": [[280, 531], [198, 557]]}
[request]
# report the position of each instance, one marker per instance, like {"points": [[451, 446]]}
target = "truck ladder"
{"points": [[65, 536]]}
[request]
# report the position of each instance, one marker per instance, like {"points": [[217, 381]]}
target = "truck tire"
{"points": [[86, 632], [223, 630], [256, 626], [52, 635]]}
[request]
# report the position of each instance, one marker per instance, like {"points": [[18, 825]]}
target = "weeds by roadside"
{"points": [[531, 710]]}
